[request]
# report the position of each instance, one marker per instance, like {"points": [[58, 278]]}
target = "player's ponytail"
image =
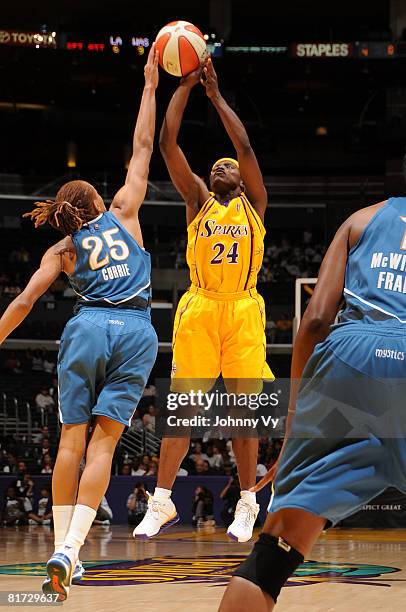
{"points": [[60, 215], [73, 206]]}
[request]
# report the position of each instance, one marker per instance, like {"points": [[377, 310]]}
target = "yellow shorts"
{"points": [[219, 333]]}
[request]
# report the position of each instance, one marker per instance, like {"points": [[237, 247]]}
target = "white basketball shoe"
{"points": [[160, 515], [244, 520]]}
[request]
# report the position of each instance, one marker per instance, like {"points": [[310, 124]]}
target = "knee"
{"points": [[271, 562], [75, 448]]}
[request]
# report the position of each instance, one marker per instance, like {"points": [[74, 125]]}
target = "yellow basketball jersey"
{"points": [[225, 246]]}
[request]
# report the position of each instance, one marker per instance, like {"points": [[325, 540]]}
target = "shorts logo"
{"points": [[116, 322], [390, 354], [215, 570]]}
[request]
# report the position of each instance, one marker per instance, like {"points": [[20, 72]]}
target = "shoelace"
{"points": [[244, 513], [154, 506]]}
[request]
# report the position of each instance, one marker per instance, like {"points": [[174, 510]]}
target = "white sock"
{"points": [[62, 516], [82, 519], [162, 494], [249, 497]]}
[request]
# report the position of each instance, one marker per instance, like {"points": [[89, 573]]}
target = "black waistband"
{"points": [[136, 303]]}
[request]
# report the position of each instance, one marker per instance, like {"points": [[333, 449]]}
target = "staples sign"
{"points": [[322, 50]]}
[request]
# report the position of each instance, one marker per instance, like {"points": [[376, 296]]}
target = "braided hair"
{"points": [[73, 206]]}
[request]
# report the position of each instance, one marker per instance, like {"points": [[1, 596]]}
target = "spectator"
{"points": [[202, 467], [137, 504], [149, 391], [24, 485], [13, 512], [104, 513], [215, 458], [47, 464], [231, 455], [148, 419], [43, 400], [202, 507], [39, 437], [231, 495], [197, 452], [126, 470], [270, 330], [49, 367], [12, 365], [53, 389], [136, 422], [229, 469], [10, 464], [46, 447], [43, 515], [37, 361], [141, 468], [182, 470], [153, 470]]}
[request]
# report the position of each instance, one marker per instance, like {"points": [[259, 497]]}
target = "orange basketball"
{"points": [[181, 48]]}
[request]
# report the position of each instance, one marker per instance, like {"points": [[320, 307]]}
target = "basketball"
{"points": [[181, 48]]}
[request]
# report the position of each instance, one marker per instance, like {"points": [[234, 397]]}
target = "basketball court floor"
{"points": [[187, 570]]}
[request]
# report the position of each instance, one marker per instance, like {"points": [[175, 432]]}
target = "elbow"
{"points": [[317, 324], [245, 146], [164, 143], [23, 303]]}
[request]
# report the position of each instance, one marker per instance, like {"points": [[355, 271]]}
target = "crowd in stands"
{"points": [[210, 458]]}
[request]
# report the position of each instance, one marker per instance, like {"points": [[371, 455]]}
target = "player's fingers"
{"points": [[151, 54]]}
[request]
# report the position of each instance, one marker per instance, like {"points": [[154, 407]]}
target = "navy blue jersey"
{"points": [[375, 279], [110, 264]]}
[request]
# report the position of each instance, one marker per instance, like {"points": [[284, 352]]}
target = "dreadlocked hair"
{"points": [[73, 206]]}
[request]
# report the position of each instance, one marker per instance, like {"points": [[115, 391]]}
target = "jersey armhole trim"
{"points": [[367, 227]]}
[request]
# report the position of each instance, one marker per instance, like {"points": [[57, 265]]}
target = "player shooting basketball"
{"points": [[346, 442], [219, 324]]}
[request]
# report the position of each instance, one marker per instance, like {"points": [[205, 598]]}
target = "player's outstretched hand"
{"points": [[151, 68], [191, 79], [269, 477], [209, 80]]}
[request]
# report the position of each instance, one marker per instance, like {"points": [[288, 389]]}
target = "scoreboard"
{"points": [[354, 50], [380, 50]]}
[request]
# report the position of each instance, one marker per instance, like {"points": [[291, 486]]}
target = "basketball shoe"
{"points": [[244, 520], [160, 515], [78, 572], [60, 569]]}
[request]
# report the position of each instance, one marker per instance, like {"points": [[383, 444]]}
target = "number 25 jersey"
{"points": [[225, 246], [110, 264]]}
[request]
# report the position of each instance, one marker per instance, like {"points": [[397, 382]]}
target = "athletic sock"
{"points": [[62, 516], [162, 494], [82, 519], [249, 497]]}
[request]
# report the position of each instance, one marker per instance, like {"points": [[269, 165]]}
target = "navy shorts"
{"points": [[105, 359], [348, 437]]}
